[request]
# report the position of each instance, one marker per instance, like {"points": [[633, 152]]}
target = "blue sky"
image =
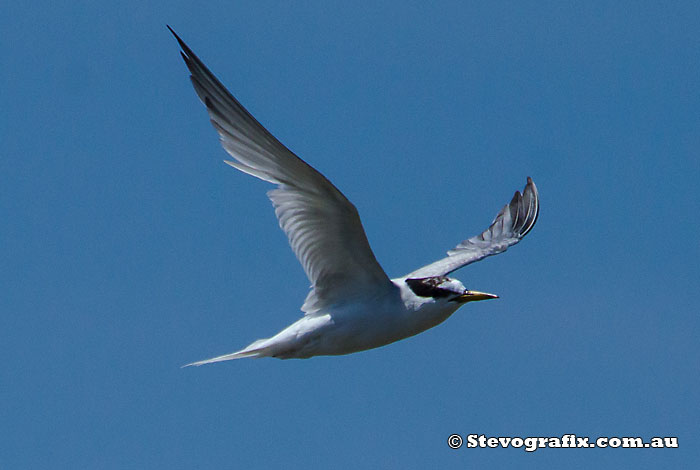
{"points": [[128, 248]]}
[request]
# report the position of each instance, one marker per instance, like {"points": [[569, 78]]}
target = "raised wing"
{"points": [[323, 227], [511, 224]]}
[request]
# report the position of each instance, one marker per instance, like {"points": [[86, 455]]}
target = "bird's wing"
{"points": [[511, 224], [323, 227]]}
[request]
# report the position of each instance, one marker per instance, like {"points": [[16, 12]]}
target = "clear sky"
{"points": [[128, 248]]}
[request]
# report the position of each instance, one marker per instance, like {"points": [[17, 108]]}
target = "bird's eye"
{"points": [[428, 287]]}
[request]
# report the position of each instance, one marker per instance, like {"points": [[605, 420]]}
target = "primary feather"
{"points": [[511, 224], [323, 227]]}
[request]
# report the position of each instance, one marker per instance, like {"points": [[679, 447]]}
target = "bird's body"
{"points": [[353, 326], [353, 305]]}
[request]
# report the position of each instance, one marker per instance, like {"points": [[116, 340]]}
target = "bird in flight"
{"points": [[353, 305]]}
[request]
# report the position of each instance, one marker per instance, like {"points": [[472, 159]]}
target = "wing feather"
{"points": [[323, 227], [511, 224]]}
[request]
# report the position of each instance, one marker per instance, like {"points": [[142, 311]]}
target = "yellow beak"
{"points": [[473, 295]]}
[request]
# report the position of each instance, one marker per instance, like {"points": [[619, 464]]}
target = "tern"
{"points": [[352, 305]]}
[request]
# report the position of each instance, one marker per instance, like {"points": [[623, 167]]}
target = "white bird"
{"points": [[353, 305]]}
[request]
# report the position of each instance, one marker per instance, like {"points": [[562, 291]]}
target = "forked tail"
{"points": [[256, 349]]}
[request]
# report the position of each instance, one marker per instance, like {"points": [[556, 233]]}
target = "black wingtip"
{"points": [[534, 204], [516, 198], [531, 186], [173, 31], [180, 41]]}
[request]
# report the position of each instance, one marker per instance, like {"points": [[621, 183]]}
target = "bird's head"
{"points": [[442, 287]]}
